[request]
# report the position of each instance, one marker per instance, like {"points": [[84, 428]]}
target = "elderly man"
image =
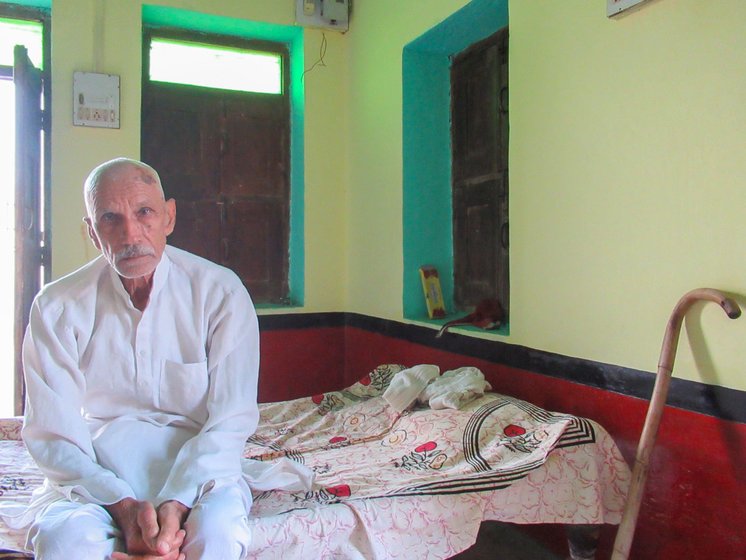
{"points": [[141, 373]]}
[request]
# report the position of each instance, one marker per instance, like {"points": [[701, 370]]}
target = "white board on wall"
{"points": [[95, 100]]}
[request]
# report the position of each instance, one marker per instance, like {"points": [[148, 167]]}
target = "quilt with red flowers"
{"points": [[411, 485]]}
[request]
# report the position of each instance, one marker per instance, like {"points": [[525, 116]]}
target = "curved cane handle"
{"points": [[626, 530]]}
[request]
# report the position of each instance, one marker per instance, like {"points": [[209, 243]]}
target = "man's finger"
{"points": [[147, 520], [180, 536], [170, 518], [170, 526], [175, 544]]}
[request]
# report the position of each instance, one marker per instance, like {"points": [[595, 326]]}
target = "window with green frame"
{"points": [[427, 149], [215, 66], [203, 28]]}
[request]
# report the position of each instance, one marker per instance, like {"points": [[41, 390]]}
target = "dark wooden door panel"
{"points": [[181, 139], [225, 158], [475, 107], [475, 235], [28, 248], [198, 228], [479, 116], [255, 246], [255, 158], [480, 234]]}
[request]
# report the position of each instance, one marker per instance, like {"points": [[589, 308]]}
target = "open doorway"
{"points": [[7, 242], [22, 220]]}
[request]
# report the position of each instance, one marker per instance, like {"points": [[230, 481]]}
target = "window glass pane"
{"points": [[216, 67], [20, 32], [7, 243]]}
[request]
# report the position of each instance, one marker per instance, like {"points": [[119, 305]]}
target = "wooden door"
{"points": [[256, 190], [28, 218], [224, 156], [480, 172], [181, 139]]}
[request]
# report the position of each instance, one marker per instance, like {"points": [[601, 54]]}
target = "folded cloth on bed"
{"points": [[278, 474], [406, 385], [422, 383], [454, 388]]}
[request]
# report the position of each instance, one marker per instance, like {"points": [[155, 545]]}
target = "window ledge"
{"points": [[502, 330], [269, 308]]}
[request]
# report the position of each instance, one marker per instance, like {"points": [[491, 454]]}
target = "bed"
{"points": [[415, 484]]}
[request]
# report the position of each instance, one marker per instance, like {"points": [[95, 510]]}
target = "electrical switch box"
{"points": [[323, 14], [95, 100], [335, 10]]}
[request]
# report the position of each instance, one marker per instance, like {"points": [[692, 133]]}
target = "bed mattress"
{"points": [[415, 484]]}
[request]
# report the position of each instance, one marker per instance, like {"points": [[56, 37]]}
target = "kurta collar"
{"points": [[159, 279], [161, 274]]}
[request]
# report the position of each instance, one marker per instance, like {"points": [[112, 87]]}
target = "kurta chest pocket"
{"points": [[183, 387]]}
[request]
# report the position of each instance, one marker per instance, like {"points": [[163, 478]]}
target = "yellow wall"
{"points": [[628, 179], [628, 176], [378, 33], [114, 47], [626, 150]]}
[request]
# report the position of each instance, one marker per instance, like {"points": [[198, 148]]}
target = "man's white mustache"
{"points": [[131, 251]]}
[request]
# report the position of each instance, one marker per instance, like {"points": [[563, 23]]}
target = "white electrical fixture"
{"points": [[95, 100], [324, 14], [616, 7]]}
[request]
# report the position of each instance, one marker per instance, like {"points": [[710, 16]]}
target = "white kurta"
{"points": [[152, 405]]}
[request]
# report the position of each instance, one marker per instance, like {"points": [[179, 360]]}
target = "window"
{"points": [[183, 62], [216, 127], [20, 32], [428, 155]]}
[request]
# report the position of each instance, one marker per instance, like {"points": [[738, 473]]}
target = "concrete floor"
{"points": [[503, 541]]}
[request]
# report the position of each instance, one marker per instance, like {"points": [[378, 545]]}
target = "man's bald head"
{"points": [[110, 169]]}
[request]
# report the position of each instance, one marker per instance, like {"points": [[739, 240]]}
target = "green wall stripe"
{"points": [[43, 4]]}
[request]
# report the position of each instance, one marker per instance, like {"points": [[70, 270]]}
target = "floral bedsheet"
{"points": [[410, 485]]}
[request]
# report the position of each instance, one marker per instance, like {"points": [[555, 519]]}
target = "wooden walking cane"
{"points": [[626, 529]]}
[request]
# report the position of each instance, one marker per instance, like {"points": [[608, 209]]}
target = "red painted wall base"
{"points": [[300, 362]]}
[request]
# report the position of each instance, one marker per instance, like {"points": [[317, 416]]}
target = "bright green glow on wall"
{"points": [[20, 32], [196, 64]]}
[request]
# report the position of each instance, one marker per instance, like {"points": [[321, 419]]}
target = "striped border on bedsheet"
{"points": [[578, 432]]}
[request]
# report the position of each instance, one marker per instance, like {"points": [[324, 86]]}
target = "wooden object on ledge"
{"points": [[433, 294]]}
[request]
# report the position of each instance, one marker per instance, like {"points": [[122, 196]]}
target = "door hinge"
{"points": [[43, 248], [44, 119]]}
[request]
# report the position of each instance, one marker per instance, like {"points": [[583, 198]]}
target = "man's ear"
{"points": [[92, 232], [171, 215]]}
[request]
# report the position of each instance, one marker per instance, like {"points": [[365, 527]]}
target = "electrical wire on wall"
{"points": [[99, 37], [320, 60]]}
